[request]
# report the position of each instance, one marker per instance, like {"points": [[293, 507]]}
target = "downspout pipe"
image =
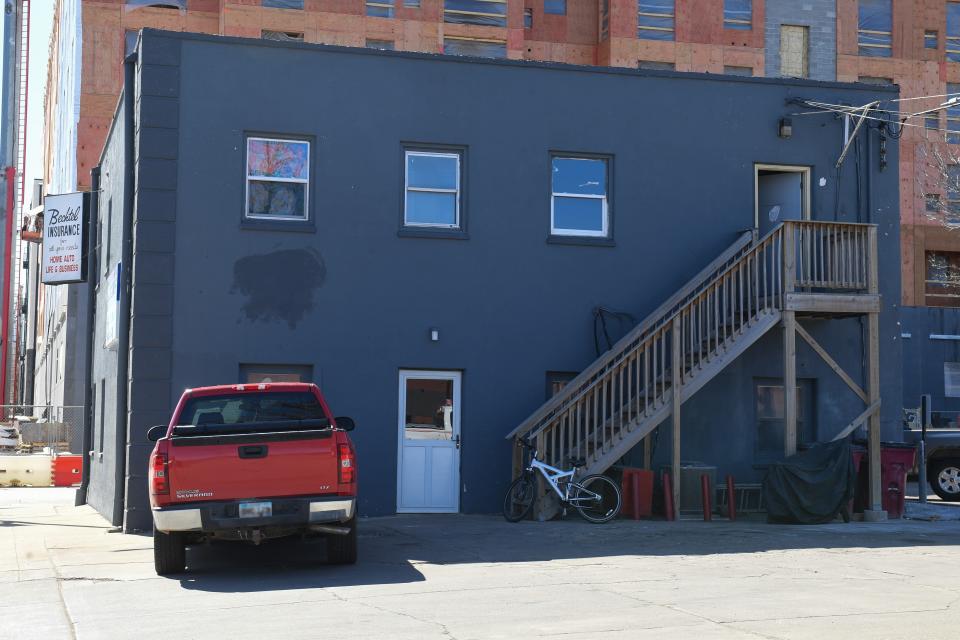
{"points": [[126, 267], [92, 259]]}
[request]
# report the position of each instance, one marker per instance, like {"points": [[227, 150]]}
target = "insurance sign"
{"points": [[64, 238]]}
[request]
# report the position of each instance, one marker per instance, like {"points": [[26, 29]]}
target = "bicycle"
{"points": [[596, 497]]}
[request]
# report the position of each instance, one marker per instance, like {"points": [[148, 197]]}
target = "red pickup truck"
{"points": [[252, 462]]}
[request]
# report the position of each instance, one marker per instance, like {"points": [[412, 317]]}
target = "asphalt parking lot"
{"points": [[64, 574]]}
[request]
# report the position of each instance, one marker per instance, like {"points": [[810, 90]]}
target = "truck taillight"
{"points": [[347, 470], [159, 477]]}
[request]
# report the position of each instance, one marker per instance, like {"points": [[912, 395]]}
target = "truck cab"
{"points": [[249, 463]]}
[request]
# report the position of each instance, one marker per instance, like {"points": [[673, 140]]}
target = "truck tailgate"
{"points": [[252, 465]]}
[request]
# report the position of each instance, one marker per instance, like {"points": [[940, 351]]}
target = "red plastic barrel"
{"points": [[637, 491], [66, 470], [895, 461]]}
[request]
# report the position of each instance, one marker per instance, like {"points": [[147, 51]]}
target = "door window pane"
{"points": [[429, 406]]}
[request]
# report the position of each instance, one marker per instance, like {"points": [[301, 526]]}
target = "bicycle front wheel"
{"points": [[519, 499], [596, 498]]}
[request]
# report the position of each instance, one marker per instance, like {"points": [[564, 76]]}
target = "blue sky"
{"points": [[41, 23]]}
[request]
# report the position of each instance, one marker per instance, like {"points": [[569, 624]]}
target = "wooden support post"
{"points": [[789, 383], [873, 378], [647, 453], [675, 392], [789, 343]]}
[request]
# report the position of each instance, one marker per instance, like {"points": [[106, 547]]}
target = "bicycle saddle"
{"points": [[577, 462]]}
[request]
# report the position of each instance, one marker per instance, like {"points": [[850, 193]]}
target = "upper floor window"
{"points": [[604, 19], [528, 18], [578, 204], [486, 12], [953, 31], [411, 4], [930, 39], [942, 284], [432, 189], [475, 47], [282, 36], [129, 41], [283, 4], [951, 212], [730, 70], [380, 8], [875, 28], [656, 19], [159, 4], [386, 45], [738, 14], [558, 7], [278, 178], [953, 115]]}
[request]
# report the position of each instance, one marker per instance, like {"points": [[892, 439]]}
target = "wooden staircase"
{"points": [[801, 267]]}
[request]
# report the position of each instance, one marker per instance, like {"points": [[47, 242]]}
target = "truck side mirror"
{"points": [[156, 432], [345, 423]]}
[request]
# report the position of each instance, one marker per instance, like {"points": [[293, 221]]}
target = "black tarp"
{"points": [[812, 486]]}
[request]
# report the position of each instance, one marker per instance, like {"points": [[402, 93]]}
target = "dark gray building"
{"points": [[438, 258]]}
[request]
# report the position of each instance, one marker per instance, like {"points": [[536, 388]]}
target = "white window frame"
{"points": [[605, 225], [407, 188], [306, 182]]}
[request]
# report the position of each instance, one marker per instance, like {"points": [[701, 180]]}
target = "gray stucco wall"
{"points": [[821, 18], [509, 305], [924, 357], [105, 379]]}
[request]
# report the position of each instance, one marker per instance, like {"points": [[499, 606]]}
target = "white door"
{"points": [[428, 473]]}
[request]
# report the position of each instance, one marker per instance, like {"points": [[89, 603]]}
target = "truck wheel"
{"points": [[342, 549], [169, 552], [944, 476]]}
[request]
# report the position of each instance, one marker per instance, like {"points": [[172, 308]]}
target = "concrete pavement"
{"points": [[64, 575]]}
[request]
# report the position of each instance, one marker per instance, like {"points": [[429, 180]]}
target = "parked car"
{"points": [[943, 460], [250, 463]]}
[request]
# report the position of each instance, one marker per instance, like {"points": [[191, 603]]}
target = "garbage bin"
{"points": [[896, 459]]}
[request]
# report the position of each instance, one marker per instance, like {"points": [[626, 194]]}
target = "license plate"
{"points": [[256, 509]]}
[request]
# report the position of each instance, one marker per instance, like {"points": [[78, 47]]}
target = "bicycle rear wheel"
{"points": [[596, 498], [519, 499]]}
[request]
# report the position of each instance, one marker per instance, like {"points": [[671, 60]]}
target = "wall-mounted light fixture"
{"points": [[434, 335], [786, 128]]}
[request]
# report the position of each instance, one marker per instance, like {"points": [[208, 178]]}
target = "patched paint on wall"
{"points": [[271, 296]]}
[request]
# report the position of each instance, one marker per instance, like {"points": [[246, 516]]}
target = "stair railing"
{"points": [[687, 336]]}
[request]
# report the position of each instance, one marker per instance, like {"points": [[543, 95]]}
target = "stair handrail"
{"points": [[661, 314]]}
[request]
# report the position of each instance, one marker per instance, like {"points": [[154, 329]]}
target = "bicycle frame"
{"points": [[555, 476]]}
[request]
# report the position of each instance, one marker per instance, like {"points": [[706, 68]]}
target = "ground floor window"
{"points": [[769, 411], [265, 373]]}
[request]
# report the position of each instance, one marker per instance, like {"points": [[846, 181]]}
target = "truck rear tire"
{"points": [[169, 552], [342, 549]]}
